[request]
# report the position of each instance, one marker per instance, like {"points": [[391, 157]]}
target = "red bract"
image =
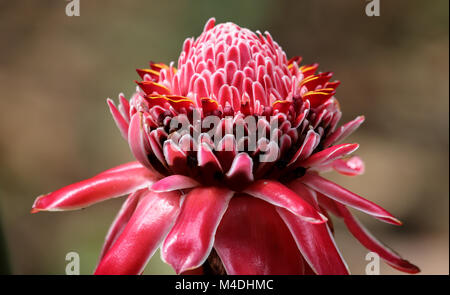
{"points": [[229, 147]]}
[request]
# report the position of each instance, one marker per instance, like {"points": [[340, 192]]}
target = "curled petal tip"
{"points": [[37, 205], [209, 24], [396, 221], [34, 210], [405, 266], [409, 267]]}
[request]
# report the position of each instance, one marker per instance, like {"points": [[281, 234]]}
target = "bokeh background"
{"points": [[56, 72]]}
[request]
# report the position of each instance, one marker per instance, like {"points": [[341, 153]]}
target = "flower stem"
{"points": [[213, 265]]}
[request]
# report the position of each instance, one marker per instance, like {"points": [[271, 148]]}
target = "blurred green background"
{"points": [[56, 72]]}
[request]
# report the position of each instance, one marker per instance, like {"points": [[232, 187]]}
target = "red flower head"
{"points": [[229, 149]]}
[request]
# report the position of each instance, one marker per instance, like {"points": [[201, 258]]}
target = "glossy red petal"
{"points": [[117, 182], [370, 242], [252, 240], [191, 239], [147, 228], [279, 195], [315, 241], [123, 167], [346, 197], [317, 245], [174, 182], [121, 220]]}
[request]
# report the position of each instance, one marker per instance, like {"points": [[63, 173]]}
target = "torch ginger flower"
{"points": [[213, 186]]}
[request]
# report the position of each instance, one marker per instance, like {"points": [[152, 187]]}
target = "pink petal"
{"points": [[226, 151], [124, 167], [174, 182], [121, 220], [306, 148], [316, 244], [328, 204], [121, 123], [96, 189], [329, 155], [137, 140], [252, 240], [147, 228], [343, 131], [346, 197], [209, 24], [175, 157], [351, 166], [241, 169], [125, 107], [315, 241], [191, 239], [279, 195], [207, 160], [371, 243], [348, 166]]}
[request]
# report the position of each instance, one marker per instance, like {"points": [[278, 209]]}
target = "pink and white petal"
{"points": [[352, 166], [344, 131], [175, 157], [191, 239], [154, 216], [328, 155], [346, 197], [123, 167], [316, 243], [370, 242], [137, 141], [121, 220], [241, 171], [124, 106], [207, 160], [305, 150], [279, 195], [121, 123], [174, 182], [96, 189], [252, 240]]}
